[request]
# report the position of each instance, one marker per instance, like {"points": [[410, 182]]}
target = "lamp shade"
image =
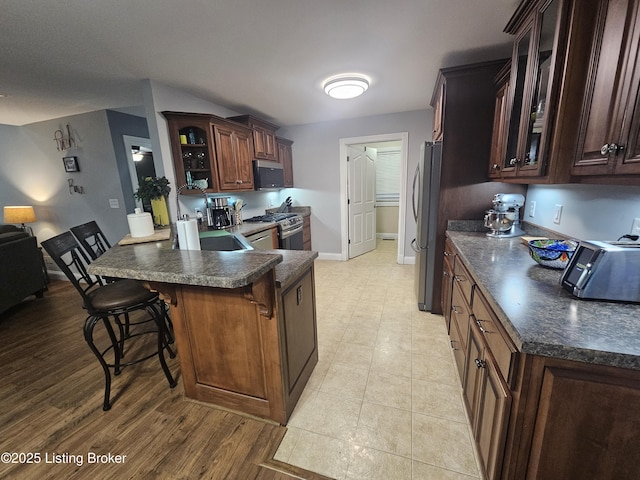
{"points": [[19, 214]]}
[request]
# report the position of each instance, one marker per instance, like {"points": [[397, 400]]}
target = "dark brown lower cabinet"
{"points": [[535, 417], [298, 338], [447, 281], [580, 421], [459, 330], [488, 401]]}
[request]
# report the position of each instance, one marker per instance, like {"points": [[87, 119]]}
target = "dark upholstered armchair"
{"points": [[21, 271]]}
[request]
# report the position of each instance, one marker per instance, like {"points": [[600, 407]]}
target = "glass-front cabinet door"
{"points": [[531, 79], [518, 82]]}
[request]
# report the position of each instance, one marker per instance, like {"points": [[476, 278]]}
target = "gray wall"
{"points": [[316, 167], [589, 212], [122, 124], [32, 173]]}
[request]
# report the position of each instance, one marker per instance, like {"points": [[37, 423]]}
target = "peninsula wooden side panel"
{"points": [[228, 346]]}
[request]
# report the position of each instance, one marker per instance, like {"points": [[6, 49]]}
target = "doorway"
{"points": [[140, 163], [377, 142]]}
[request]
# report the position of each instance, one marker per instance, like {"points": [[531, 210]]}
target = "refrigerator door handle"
{"points": [[413, 196], [415, 247]]}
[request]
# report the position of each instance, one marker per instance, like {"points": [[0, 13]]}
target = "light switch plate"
{"points": [[113, 203], [558, 214]]}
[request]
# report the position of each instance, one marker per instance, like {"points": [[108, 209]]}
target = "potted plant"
{"points": [[155, 190]]}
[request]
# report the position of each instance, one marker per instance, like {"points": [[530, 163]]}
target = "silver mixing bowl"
{"points": [[499, 221]]}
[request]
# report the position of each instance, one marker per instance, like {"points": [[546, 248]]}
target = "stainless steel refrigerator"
{"points": [[426, 192]]}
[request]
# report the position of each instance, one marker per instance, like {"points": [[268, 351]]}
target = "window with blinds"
{"points": [[388, 175]]}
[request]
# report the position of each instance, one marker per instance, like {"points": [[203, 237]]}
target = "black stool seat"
{"points": [[122, 294], [106, 303]]}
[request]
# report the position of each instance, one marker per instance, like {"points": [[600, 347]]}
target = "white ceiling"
{"points": [[267, 57]]}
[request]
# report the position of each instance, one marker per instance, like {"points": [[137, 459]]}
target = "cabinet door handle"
{"points": [[481, 327], [609, 148], [460, 278], [454, 308], [447, 254], [480, 363], [299, 295], [513, 162], [238, 181], [452, 345], [495, 167]]}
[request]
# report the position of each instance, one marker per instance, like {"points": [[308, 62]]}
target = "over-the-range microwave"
{"points": [[267, 175], [604, 271]]}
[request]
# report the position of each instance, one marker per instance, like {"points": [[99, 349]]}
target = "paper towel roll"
{"points": [[188, 236], [140, 224]]}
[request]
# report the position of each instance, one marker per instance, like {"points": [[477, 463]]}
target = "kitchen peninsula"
{"points": [[244, 321], [551, 383]]}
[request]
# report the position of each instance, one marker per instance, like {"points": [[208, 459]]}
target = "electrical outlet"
{"points": [[532, 209], [558, 214], [635, 227]]}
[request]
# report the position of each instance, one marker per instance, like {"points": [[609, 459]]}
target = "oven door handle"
{"points": [[288, 233]]}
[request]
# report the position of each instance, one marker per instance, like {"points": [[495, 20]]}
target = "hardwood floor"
{"points": [[51, 392]]}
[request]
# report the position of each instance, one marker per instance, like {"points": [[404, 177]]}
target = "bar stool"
{"points": [[91, 238], [95, 243], [108, 303]]}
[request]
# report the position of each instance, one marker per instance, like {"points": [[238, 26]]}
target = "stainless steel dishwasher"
{"points": [[261, 240]]}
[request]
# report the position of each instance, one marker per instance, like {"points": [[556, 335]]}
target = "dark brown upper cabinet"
{"points": [[207, 147], [285, 157], [193, 150], [264, 136], [608, 145], [538, 126]]}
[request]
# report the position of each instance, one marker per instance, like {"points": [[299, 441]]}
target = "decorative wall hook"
{"points": [[62, 142], [74, 188]]}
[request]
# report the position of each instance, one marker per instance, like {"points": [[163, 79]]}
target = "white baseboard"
{"points": [[391, 236], [409, 261], [330, 256]]}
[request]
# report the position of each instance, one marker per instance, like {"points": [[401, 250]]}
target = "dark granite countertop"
{"points": [[300, 210], [249, 228], [540, 316], [158, 262], [294, 262]]}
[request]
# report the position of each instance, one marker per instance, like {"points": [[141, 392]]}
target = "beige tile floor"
{"points": [[384, 401]]}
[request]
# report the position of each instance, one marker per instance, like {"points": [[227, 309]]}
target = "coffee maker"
{"points": [[503, 220], [218, 214]]}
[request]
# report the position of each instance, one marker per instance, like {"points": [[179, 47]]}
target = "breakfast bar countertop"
{"points": [[159, 263], [539, 315], [156, 261]]}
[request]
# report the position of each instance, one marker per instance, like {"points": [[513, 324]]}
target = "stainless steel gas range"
{"points": [[289, 229]]}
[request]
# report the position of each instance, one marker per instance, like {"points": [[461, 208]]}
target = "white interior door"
{"points": [[361, 199]]}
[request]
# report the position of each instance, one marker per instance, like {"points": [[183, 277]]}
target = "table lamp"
{"points": [[22, 215]]}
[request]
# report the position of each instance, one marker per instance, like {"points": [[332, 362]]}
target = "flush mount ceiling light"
{"points": [[136, 153], [346, 86]]}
